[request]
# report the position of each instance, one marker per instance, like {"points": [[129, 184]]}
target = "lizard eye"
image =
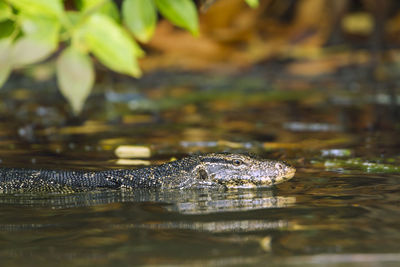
{"points": [[279, 166], [237, 162]]}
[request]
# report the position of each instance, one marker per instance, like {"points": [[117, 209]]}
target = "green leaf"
{"points": [[89, 4], [78, 4], [111, 10], [252, 3], [28, 50], [39, 7], [5, 11], [73, 17], [106, 7], [75, 76], [7, 27], [112, 45], [140, 17], [40, 39], [41, 27], [182, 13], [5, 63]]}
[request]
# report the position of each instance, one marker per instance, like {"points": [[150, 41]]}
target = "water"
{"points": [[341, 208]]}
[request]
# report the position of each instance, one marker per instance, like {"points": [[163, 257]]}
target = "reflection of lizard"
{"points": [[209, 170]]}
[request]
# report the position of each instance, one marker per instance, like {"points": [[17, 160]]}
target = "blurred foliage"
{"points": [[32, 30], [318, 36]]}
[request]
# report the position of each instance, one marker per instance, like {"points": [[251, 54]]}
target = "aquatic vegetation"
{"points": [[369, 166]]}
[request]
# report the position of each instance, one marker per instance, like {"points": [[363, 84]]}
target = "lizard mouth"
{"points": [[289, 174], [252, 181]]}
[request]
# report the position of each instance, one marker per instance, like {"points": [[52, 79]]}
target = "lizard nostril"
{"points": [[203, 174]]}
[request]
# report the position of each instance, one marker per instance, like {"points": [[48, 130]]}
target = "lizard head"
{"points": [[241, 171]]}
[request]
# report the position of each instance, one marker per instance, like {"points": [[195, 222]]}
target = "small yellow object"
{"points": [[265, 243], [358, 23], [135, 162], [133, 152]]}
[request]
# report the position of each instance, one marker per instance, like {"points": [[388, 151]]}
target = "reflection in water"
{"points": [[182, 201], [133, 220], [242, 226], [185, 202], [231, 201]]}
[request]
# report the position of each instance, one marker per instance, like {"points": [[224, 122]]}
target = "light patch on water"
{"points": [[312, 127], [373, 258]]}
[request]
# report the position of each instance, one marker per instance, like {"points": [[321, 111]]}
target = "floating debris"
{"points": [[133, 162], [133, 152]]}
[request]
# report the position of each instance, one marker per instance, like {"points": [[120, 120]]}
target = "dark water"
{"points": [[342, 208]]}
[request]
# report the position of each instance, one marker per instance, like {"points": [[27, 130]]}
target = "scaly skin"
{"points": [[226, 170]]}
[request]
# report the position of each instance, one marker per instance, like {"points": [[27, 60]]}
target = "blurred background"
{"points": [[312, 82], [336, 34], [254, 75]]}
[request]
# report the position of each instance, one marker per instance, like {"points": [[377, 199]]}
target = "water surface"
{"points": [[342, 207]]}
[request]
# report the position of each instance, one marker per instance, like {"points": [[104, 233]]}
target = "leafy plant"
{"points": [[32, 30]]}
